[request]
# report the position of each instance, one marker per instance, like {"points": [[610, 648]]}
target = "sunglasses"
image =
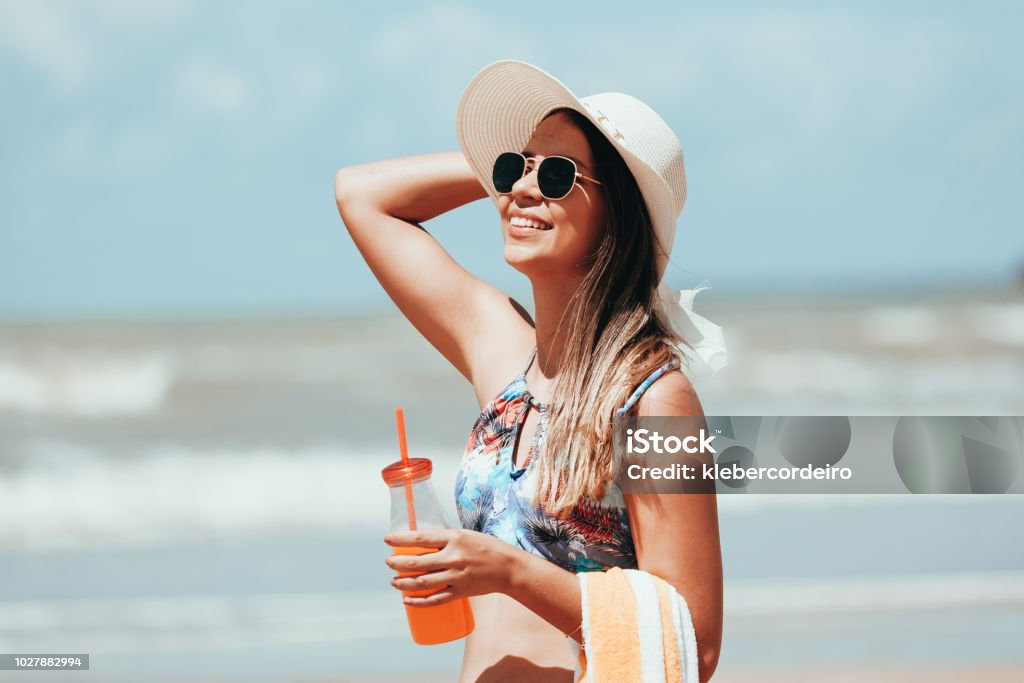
{"points": [[556, 176]]}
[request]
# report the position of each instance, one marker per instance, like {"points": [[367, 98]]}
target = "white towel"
{"points": [[636, 627]]}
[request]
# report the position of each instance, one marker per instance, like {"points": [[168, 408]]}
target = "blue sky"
{"points": [[176, 158]]}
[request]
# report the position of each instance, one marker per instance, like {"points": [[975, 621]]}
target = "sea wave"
{"points": [[69, 496], [1003, 323], [901, 326], [221, 622], [85, 384]]}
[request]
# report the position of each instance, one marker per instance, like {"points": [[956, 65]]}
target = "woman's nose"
{"points": [[527, 187]]}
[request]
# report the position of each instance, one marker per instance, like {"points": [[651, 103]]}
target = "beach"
{"points": [[318, 607], [202, 500]]}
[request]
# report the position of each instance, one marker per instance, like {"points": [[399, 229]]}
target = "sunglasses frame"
{"points": [[577, 176]]}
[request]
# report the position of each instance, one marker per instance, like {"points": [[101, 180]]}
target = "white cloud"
{"points": [[435, 32], [211, 87], [435, 51], [780, 86], [131, 13], [135, 148], [766, 76], [76, 146], [827, 67], [417, 64], [44, 35], [813, 69], [66, 40]]}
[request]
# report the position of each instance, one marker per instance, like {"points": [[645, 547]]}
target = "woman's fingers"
{"points": [[432, 538], [439, 598], [428, 562], [423, 582]]}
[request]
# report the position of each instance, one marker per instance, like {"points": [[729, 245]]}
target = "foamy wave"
{"points": [[305, 363], [207, 622], [85, 385], [924, 383], [1002, 323], [200, 622], [805, 370], [73, 497], [894, 326], [742, 504], [806, 597]]}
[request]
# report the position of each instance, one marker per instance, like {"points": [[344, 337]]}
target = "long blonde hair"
{"points": [[614, 339]]}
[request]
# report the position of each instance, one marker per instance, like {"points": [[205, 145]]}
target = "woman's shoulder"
{"points": [[671, 394]]}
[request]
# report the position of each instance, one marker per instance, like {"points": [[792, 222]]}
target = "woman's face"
{"points": [[571, 227]]}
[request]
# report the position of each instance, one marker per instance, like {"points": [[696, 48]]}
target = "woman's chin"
{"points": [[545, 264], [524, 258]]}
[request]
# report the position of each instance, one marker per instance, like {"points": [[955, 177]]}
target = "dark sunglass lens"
{"points": [[508, 168], [556, 177]]}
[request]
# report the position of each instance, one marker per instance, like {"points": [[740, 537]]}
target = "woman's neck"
{"points": [[550, 301]]}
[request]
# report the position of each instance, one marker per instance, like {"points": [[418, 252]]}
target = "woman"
{"points": [[588, 192]]}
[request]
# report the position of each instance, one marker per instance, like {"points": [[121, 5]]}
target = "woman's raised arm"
{"points": [[382, 205]]}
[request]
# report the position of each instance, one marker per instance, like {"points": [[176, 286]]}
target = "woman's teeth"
{"points": [[528, 223]]}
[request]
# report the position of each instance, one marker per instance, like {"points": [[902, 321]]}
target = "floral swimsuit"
{"points": [[493, 497]]}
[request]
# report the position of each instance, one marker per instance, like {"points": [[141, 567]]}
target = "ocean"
{"points": [[201, 500]]}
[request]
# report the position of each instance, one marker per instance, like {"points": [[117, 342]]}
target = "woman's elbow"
{"points": [[352, 196], [343, 181], [709, 644], [708, 663]]}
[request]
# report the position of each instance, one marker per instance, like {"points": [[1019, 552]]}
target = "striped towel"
{"points": [[636, 627]]}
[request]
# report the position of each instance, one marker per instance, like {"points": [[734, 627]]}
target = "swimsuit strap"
{"points": [[529, 362], [529, 397], [646, 384]]}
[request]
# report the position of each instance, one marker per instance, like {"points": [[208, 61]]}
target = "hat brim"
{"points": [[501, 108]]}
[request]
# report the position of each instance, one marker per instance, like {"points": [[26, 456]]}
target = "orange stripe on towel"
{"points": [[615, 639], [581, 663], [666, 599]]}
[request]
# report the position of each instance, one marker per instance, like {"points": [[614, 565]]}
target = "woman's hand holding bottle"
{"points": [[466, 563]]}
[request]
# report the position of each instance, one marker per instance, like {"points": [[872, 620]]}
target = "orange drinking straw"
{"points": [[404, 450]]}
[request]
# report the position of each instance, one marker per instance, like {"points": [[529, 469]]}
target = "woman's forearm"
{"points": [[413, 189], [547, 590]]}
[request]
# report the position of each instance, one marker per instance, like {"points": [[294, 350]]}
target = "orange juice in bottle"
{"points": [[414, 506], [438, 624]]}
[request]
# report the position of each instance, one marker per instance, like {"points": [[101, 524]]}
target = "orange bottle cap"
{"points": [[408, 471]]}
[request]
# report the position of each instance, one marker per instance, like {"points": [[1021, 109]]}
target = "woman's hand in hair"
{"points": [[466, 563]]}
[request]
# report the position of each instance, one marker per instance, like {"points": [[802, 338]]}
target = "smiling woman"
{"points": [[552, 235], [588, 192]]}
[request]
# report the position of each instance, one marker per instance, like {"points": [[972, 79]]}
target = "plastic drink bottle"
{"points": [[414, 506]]}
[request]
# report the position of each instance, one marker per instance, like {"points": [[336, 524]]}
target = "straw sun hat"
{"points": [[502, 107]]}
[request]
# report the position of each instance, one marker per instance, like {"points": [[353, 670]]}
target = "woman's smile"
{"points": [[524, 225]]}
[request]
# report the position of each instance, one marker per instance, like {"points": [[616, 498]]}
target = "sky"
{"points": [[176, 159]]}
